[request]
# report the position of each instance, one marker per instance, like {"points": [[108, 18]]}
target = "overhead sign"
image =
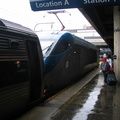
{"points": [[38, 5]]}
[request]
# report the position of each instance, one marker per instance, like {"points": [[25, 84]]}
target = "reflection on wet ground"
{"points": [[94, 102]]}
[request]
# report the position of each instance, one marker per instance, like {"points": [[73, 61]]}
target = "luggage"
{"points": [[111, 78]]}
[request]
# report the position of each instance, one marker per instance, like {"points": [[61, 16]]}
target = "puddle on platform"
{"points": [[90, 102]]}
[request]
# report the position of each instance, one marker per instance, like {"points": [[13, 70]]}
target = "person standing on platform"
{"points": [[109, 60], [105, 68]]}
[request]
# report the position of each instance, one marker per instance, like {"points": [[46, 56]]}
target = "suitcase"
{"points": [[111, 78]]}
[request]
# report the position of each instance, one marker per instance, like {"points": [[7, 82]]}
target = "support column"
{"points": [[117, 41], [116, 101]]}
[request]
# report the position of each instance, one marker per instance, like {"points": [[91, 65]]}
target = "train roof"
{"points": [[14, 27], [85, 43], [50, 36], [58, 35]]}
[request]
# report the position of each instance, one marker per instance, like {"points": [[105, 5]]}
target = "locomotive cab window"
{"points": [[61, 47]]}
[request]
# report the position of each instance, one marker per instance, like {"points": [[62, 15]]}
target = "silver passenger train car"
{"points": [[21, 69]]}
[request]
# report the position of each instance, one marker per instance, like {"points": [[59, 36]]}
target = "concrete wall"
{"points": [[117, 41], [117, 61]]}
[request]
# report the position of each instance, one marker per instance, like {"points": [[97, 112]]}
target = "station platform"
{"points": [[88, 99]]}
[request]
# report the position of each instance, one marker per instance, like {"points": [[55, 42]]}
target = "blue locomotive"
{"points": [[66, 59]]}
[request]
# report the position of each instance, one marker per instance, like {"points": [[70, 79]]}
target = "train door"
{"points": [[36, 70]]}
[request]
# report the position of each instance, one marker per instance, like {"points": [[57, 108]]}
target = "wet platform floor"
{"points": [[91, 101]]}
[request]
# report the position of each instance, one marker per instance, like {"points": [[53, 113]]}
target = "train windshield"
{"points": [[46, 47]]}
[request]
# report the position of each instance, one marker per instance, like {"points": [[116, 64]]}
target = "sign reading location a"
{"points": [[39, 5]]}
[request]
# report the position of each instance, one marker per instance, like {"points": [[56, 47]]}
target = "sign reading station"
{"points": [[38, 5]]}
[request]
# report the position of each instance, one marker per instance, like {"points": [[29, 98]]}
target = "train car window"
{"points": [[13, 72]]}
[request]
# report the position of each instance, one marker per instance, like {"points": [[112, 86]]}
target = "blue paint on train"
{"points": [[66, 40], [51, 61]]}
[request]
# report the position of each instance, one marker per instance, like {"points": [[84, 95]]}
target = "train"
{"points": [[66, 58], [21, 69], [28, 74]]}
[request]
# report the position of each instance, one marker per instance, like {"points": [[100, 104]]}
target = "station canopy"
{"points": [[98, 12]]}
